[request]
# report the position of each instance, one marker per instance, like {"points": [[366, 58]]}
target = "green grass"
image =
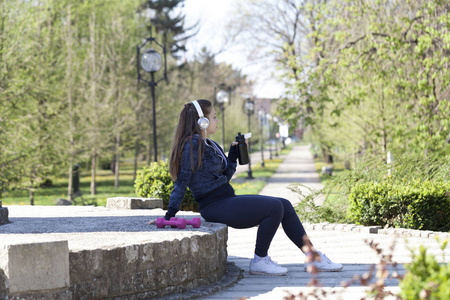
{"points": [[105, 188], [249, 187], [105, 184], [338, 168], [261, 174]]}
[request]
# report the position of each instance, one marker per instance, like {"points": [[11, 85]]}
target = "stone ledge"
{"points": [[133, 203], [114, 254], [140, 271]]}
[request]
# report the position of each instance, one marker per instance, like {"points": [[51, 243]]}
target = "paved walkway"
{"points": [[342, 243]]}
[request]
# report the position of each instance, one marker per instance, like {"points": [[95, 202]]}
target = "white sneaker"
{"points": [[266, 266], [325, 264]]}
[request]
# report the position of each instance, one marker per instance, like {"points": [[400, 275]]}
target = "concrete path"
{"points": [[342, 243]]}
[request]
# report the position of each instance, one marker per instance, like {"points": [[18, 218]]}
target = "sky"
{"points": [[213, 16]]}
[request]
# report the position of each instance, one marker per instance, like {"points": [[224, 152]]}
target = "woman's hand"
{"points": [[235, 143], [151, 222]]}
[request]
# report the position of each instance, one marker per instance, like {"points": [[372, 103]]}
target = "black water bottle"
{"points": [[242, 149]]}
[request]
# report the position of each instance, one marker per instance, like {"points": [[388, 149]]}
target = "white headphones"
{"points": [[202, 121]]}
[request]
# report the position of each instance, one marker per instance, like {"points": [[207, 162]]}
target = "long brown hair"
{"points": [[186, 128]]}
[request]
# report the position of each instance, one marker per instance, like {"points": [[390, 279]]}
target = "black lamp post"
{"points": [[261, 117], [222, 97], [150, 61], [249, 109]]}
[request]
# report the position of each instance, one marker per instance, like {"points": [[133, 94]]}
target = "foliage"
{"points": [[368, 76], [415, 204], [406, 167], [310, 211], [167, 24], [155, 182], [425, 277], [71, 97]]}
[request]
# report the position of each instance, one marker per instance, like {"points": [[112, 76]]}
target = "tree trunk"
{"points": [[93, 174], [70, 103], [31, 196], [116, 161], [136, 157], [326, 156], [69, 184]]}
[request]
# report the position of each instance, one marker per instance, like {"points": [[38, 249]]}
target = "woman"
{"points": [[200, 164]]}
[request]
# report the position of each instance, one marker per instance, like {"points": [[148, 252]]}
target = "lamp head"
{"points": [[249, 106], [151, 61], [222, 96]]}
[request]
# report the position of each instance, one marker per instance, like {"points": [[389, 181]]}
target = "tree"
{"points": [[169, 23], [368, 76]]}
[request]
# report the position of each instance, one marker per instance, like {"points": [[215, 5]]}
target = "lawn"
{"points": [[58, 190], [48, 195], [260, 174]]}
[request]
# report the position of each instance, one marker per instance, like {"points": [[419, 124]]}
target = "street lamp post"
{"points": [[150, 61], [249, 109], [261, 117], [277, 136], [222, 97], [269, 118]]}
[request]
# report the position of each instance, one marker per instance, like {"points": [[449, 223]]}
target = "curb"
{"points": [[402, 232]]}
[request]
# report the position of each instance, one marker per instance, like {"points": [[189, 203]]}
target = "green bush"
{"points": [[426, 278], [155, 182], [416, 204]]}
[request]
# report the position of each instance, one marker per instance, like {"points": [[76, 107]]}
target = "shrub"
{"points": [[373, 168], [415, 204], [155, 182], [309, 211], [426, 278]]}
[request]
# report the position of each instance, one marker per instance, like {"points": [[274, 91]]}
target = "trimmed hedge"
{"points": [[415, 204], [155, 182]]}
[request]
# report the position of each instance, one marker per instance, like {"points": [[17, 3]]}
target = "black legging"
{"points": [[245, 211]]}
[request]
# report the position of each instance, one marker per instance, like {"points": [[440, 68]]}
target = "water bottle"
{"points": [[242, 149]]}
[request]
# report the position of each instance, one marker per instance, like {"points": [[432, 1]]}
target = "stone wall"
{"points": [[149, 270], [141, 271]]}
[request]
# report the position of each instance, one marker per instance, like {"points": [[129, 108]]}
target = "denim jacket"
{"points": [[211, 175]]}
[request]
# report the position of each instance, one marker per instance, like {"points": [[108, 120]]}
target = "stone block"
{"points": [[63, 202], [134, 203], [328, 170], [374, 229], [36, 266], [426, 234], [3, 215]]}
